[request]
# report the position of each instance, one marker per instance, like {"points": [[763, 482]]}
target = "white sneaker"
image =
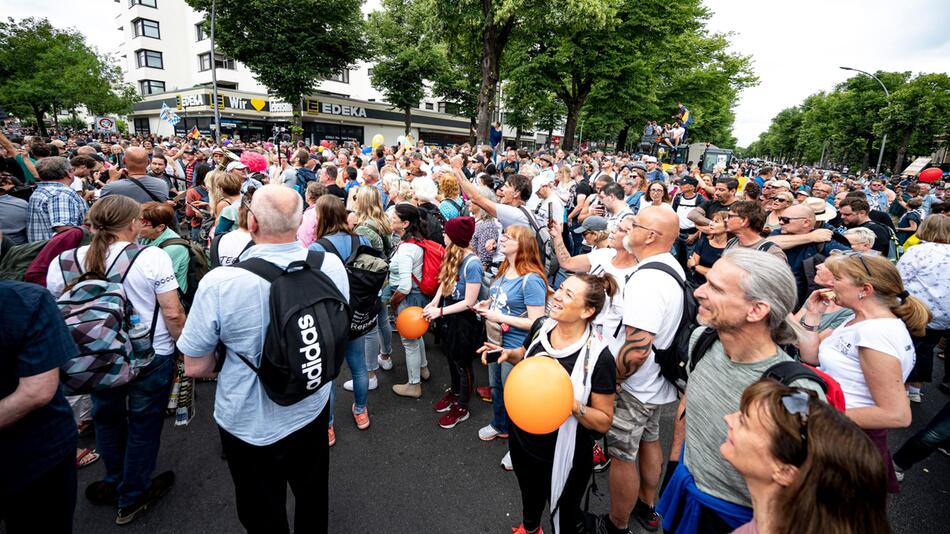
{"points": [[488, 433], [914, 397], [506, 462], [384, 363], [373, 384]]}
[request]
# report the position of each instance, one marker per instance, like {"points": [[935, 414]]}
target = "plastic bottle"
{"points": [[141, 342]]}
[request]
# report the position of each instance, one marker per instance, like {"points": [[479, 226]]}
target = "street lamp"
{"points": [[887, 95], [214, 81]]}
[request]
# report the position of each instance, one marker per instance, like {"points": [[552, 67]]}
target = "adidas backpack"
{"points": [[304, 345], [367, 271], [432, 254], [97, 312]]}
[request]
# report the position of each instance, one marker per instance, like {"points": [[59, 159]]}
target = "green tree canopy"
{"points": [[291, 45], [405, 52], [44, 69]]}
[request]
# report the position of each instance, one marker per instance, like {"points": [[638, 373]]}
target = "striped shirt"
{"points": [[53, 204]]}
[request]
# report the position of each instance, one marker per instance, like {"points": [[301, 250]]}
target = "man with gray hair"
{"points": [[54, 206], [267, 445], [746, 299]]}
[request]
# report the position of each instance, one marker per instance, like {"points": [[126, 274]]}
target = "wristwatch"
{"points": [[808, 327]]}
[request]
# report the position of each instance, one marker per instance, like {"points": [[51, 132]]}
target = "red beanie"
{"points": [[460, 230]]}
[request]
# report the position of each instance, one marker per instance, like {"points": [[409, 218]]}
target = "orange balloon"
{"points": [[411, 324], [539, 395]]}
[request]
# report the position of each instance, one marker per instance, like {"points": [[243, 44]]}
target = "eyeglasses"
{"points": [[657, 232], [796, 403], [786, 220], [852, 254], [731, 214]]}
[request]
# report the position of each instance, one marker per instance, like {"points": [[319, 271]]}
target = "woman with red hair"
{"points": [[517, 298]]}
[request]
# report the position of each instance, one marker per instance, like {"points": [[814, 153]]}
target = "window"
{"points": [[343, 77], [150, 87], [146, 28], [200, 34], [221, 62], [148, 58], [146, 3], [449, 107], [429, 106], [141, 126]]}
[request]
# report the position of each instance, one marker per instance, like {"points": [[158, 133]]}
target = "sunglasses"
{"points": [[657, 232], [796, 403], [853, 254], [786, 220]]}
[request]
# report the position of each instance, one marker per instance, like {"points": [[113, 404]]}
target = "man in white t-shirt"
{"points": [[612, 197], [512, 196], [129, 451], [549, 206], [653, 306]]}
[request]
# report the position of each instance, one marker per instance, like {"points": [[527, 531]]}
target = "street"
{"points": [[406, 475]]}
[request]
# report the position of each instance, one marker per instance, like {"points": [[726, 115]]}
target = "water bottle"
{"points": [[141, 343]]}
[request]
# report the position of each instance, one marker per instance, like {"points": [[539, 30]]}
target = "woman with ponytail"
{"points": [[554, 468], [460, 281], [872, 354], [128, 419]]}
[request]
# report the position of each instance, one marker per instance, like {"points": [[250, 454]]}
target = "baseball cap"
{"points": [[594, 223], [235, 165], [649, 159], [217, 150], [783, 184], [689, 180]]}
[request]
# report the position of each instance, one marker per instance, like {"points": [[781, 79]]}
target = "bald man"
{"points": [[134, 182], [653, 306], [799, 220], [266, 445]]}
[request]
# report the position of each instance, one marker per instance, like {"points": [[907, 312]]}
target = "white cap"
{"points": [[235, 165], [649, 159]]}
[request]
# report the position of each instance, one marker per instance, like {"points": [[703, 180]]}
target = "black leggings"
{"points": [[534, 479], [464, 334]]}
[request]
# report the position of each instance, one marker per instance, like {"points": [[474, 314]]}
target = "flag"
{"points": [[194, 133], [168, 115]]}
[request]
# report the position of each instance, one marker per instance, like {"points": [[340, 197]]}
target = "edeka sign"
{"points": [[313, 107]]}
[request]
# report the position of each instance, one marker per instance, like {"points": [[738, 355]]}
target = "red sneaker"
{"points": [[601, 460], [484, 392], [455, 416], [521, 530], [446, 402]]}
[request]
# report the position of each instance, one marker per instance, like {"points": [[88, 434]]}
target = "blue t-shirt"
{"points": [[913, 215], [343, 243], [451, 208], [470, 273], [33, 340], [512, 296]]}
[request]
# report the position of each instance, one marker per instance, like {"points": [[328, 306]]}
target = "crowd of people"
{"points": [[793, 313]]}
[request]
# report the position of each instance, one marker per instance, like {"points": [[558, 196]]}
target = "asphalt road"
{"points": [[405, 474]]}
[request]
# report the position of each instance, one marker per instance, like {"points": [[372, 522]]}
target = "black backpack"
{"points": [[433, 222], [545, 244], [673, 359], [197, 267], [303, 350], [214, 258], [367, 271]]}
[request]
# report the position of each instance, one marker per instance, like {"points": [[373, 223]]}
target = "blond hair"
{"points": [[449, 186], [368, 207], [449, 271], [935, 229], [884, 277]]}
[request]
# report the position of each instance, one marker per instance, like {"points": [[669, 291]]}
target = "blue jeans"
{"points": [[415, 348], [129, 423], [357, 363], [381, 341], [497, 375], [935, 435]]}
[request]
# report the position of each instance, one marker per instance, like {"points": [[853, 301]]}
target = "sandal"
{"points": [[86, 457]]}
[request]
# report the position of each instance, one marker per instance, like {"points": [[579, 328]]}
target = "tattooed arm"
{"points": [[635, 351], [574, 264]]}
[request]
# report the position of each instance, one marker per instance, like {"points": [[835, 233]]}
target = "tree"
{"points": [[405, 52], [43, 69], [918, 114], [290, 45], [492, 24]]}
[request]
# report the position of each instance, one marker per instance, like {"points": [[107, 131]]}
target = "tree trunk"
{"points": [[471, 131], [902, 151], [407, 120], [491, 52], [570, 126], [296, 125], [868, 147], [518, 137], [549, 139], [40, 113], [622, 138]]}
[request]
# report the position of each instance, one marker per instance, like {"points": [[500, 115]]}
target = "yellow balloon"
{"points": [[378, 139]]}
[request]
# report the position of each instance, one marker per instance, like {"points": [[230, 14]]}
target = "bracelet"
{"points": [[806, 326]]}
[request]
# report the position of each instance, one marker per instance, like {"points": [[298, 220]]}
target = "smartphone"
{"points": [[492, 356], [550, 213]]}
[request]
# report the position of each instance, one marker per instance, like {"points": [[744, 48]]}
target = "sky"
{"points": [[796, 46]]}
